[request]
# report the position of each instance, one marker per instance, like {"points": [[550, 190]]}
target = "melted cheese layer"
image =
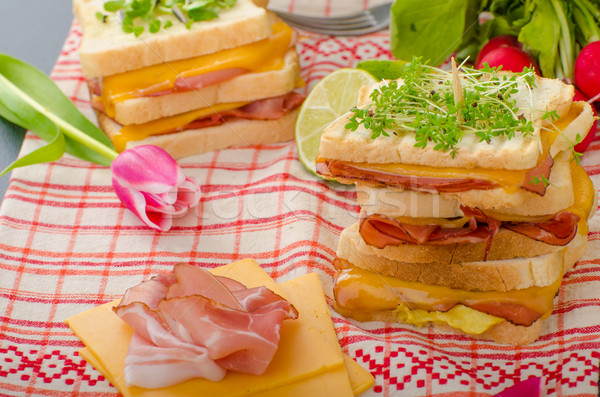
{"points": [[362, 292], [137, 132], [260, 56]]}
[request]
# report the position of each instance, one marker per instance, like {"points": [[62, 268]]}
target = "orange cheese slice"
{"points": [[260, 56], [305, 360], [137, 132]]}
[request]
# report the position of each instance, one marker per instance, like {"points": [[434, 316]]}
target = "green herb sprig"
{"points": [[424, 105], [136, 15]]}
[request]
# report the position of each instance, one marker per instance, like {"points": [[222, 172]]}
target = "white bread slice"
{"points": [[517, 153], [244, 88], [514, 261], [106, 49], [396, 203], [236, 132]]}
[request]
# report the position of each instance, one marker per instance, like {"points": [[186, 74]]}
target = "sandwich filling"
{"points": [[194, 73], [441, 180], [478, 226], [363, 292], [264, 109]]}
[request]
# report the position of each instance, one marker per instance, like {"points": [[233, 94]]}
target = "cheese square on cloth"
{"points": [[306, 359]]}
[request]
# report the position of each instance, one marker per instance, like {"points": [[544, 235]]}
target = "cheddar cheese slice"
{"points": [[308, 359]]}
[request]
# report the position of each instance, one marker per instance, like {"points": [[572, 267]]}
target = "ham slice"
{"points": [[263, 109], [534, 179], [357, 172], [558, 231], [192, 324], [207, 79], [380, 231]]}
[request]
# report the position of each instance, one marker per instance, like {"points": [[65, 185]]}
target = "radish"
{"points": [[587, 70], [583, 145], [511, 58], [496, 42]]}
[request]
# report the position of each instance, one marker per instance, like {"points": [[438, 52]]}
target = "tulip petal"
{"points": [[147, 168], [530, 387], [136, 203], [189, 192]]}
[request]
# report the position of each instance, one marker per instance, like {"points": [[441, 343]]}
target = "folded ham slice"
{"points": [[192, 324], [263, 109], [380, 231]]}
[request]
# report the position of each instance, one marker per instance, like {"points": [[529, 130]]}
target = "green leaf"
{"points": [[101, 17], [382, 69], [113, 6], [154, 26], [31, 100], [139, 8], [50, 152], [201, 14], [138, 30], [431, 29], [541, 35]]}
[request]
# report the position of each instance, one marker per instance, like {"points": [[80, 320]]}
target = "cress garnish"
{"points": [[424, 104], [136, 14]]}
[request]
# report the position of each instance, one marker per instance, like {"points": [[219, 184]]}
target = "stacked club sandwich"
{"points": [[190, 87], [473, 205]]}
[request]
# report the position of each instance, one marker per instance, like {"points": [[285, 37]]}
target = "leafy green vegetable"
{"points": [[541, 35], [31, 100], [431, 30], [382, 69], [136, 14], [552, 30]]}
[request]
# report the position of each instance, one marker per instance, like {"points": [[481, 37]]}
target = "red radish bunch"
{"points": [[587, 70], [508, 52]]}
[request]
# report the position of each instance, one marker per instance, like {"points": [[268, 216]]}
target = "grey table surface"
{"points": [[33, 31]]}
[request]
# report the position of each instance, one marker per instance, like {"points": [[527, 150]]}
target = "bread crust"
{"points": [[396, 202], [504, 332], [235, 132], [517, 153], [105, 49], [514, 261], [244, 88]]}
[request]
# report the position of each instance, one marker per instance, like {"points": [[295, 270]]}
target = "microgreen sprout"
{"points": [[536, 181], [424, 104], [136, 15]]}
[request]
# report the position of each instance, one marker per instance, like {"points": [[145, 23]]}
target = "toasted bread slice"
{"points": [[244, 88], [514, 261], [396, 203], [519, 153], [235, 132], [106, 49]]}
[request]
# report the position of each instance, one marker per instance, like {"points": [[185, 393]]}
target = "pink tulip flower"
{"points": [[153, 186], [530, 387]]}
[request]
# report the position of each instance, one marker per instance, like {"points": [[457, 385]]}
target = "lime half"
{"points": [[331, 98]]}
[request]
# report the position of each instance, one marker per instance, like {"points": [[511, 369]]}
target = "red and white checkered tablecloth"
{"points": [[67, 245]]}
